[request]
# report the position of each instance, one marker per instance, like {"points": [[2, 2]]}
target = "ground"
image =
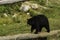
{"points": [[8, 27]]}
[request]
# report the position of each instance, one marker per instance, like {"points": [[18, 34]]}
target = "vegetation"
{"points": [[10, 26]]}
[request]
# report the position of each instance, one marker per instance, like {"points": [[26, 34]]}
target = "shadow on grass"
{"points": [[40, 38]]}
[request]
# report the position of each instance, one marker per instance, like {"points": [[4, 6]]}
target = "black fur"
{"points": [[38, 22]]}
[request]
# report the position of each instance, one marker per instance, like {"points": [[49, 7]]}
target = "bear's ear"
{"points": [[27, 19]]}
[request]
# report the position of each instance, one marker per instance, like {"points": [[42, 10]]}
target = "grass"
{"points": [[9, 27], [22, 27], [12, 29]]}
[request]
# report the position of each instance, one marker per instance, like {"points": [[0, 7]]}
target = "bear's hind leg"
{"points": [[40, 29], [47, 28]]}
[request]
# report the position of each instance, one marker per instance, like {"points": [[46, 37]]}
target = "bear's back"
{"points": [[39, 19]]}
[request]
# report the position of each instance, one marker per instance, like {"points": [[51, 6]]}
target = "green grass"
{"points": [[18, 25], [12, 29], [8, 26]]}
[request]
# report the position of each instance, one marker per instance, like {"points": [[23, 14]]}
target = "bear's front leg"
{"points": [[32, 29], [37, 30]]}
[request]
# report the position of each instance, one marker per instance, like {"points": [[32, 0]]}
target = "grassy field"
{"points": [[9, 26]]}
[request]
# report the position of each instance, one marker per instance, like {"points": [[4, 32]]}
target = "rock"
{"points": [[9, 1], [5, 15], [25, 8], [28, 5], [34, 6], [28, 13]]}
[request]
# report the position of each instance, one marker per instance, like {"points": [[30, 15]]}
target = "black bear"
{"points": [[38, 22]]}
